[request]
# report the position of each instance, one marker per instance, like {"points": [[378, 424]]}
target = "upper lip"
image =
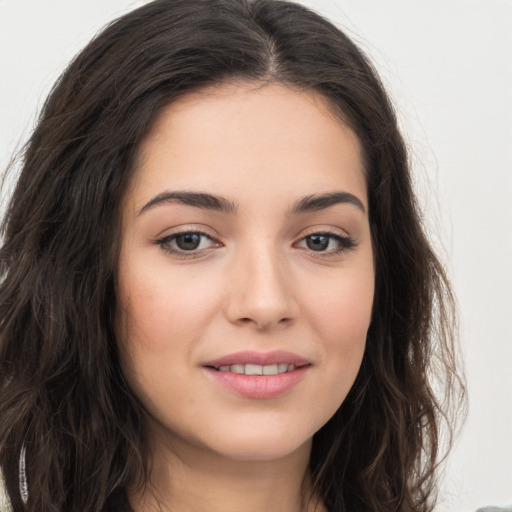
{"points": [[260, 358]]}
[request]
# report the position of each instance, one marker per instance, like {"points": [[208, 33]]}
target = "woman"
{"points": [[216, 291]]}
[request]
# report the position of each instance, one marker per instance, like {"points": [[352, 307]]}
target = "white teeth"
{"points": [[257, 369], [238, 368], [253, 369], [271, 369]]}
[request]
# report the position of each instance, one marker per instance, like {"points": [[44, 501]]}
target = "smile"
{"points": [[257, 369], [258, 375]]}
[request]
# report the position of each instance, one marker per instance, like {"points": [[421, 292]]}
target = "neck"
{"points": [[193, 479]]}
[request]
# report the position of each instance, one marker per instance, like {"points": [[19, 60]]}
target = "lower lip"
{"points": [[259, 386]]}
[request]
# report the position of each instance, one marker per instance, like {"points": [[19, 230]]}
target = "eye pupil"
{"points": [[317, 242], [188, 241]]}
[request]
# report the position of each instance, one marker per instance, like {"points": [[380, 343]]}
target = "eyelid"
{"points": [[187, 228], [164, 242], [325, 230], [347, 242]]}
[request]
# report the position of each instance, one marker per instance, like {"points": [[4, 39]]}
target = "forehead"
{"points": [[245, 137]]}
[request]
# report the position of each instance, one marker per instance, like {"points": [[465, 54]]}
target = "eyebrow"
{"points": [[307, 204], [197, 199], [318, 202]]}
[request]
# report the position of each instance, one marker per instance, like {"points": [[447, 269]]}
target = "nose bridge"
{"points": [[261, 291]]}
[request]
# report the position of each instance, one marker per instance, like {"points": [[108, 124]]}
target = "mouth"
{"points": [[258, 369], [276, 361], [258, 375]]}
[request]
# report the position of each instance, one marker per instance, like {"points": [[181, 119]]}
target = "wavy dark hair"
{"points": [[65, 406]]}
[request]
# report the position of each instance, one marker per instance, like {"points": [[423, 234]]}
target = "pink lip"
{"points": [[258, 386], [261, 358]]}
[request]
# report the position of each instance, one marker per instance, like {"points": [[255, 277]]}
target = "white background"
{"points": [[448, 65]]}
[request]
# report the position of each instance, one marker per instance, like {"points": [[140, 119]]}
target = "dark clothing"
{"points": [[118, 502]]}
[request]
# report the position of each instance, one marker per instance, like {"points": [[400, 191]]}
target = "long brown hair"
{"points": [[65, 407]]}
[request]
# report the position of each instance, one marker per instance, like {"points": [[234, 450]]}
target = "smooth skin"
{"points": [[200, 279]]}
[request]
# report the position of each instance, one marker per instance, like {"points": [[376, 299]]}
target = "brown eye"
{"points": [[317, 242], [187, 244], [188, 241], [327, 244]]}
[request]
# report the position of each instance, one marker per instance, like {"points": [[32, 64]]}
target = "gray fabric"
{"points": [[495, 509]]}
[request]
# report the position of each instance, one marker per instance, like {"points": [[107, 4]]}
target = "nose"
{"points": [[261, 290]]}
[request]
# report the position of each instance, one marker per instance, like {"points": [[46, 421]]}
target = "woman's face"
{"points": [[246, 279]]}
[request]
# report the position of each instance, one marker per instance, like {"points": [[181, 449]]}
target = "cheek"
{"points": [[157, 307], [340, 315], [156, 329], [342, 307]]}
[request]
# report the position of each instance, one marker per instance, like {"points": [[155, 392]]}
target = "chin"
{"points": [[258, 441], [262, 448]]}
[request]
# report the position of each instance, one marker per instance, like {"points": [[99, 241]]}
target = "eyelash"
{"points": [[165, 242], [345, 244]]}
